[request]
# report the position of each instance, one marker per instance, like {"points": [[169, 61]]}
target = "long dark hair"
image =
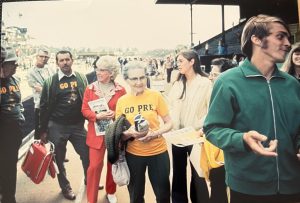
{"points": [[189, 55], [289, 66]]}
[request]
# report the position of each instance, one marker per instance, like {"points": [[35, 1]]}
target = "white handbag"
{"points": [[120, 170]]}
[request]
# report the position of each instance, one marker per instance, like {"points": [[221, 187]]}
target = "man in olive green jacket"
{"points": [[61, 119], [254, 116]]}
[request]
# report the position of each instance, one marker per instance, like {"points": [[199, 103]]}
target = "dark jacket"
{"points": [[48, 97], [13, 109]]}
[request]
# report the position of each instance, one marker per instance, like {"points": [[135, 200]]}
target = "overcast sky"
{"points": [[116, 23]]}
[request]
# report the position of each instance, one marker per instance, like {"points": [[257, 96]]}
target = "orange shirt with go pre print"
{"points": [[151, 105]]}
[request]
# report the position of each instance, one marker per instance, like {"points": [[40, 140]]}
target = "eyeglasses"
{"points": [[135, 79], [102, 69], [43, 56]]}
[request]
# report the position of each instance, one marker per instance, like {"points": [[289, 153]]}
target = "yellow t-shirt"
{"points": [[150, 104]]}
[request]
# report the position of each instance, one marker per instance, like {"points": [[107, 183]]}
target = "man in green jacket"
{"points": [[61, 119], [254, 116]]}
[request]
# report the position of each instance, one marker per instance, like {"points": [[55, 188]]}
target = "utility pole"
{"points": [[223, 24], [192, 43]]}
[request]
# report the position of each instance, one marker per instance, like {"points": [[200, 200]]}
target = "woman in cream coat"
{"points": [[189, 100]]}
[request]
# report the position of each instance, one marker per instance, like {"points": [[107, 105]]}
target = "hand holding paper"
{"points": [[183, 137]]}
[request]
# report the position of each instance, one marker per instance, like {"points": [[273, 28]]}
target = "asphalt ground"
{"points": [[48, 190]]}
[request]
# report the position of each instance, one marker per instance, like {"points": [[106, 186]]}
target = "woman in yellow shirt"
{"points": [[146, 149]]}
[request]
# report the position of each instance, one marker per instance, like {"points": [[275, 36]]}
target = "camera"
{"points": [[140, 123]]}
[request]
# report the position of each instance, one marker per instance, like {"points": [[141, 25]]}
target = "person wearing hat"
{"points": [[108, 91], [11, 120], [146, 148]]}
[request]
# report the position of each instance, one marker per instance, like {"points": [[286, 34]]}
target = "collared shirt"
{"points": [[36, 77], [61, 74]]}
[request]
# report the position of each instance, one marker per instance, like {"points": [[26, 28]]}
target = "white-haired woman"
{"points": [[105, 89], [146, 149]]}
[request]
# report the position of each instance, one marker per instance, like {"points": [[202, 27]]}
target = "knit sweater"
{"points": [[48, 98], [192, 109]]}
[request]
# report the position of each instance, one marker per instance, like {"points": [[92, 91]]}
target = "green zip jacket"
{"points": [[243, 100]]}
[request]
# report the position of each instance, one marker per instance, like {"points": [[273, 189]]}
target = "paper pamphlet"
{"points": [[183, 137], [97, 106], [195, 158]]}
